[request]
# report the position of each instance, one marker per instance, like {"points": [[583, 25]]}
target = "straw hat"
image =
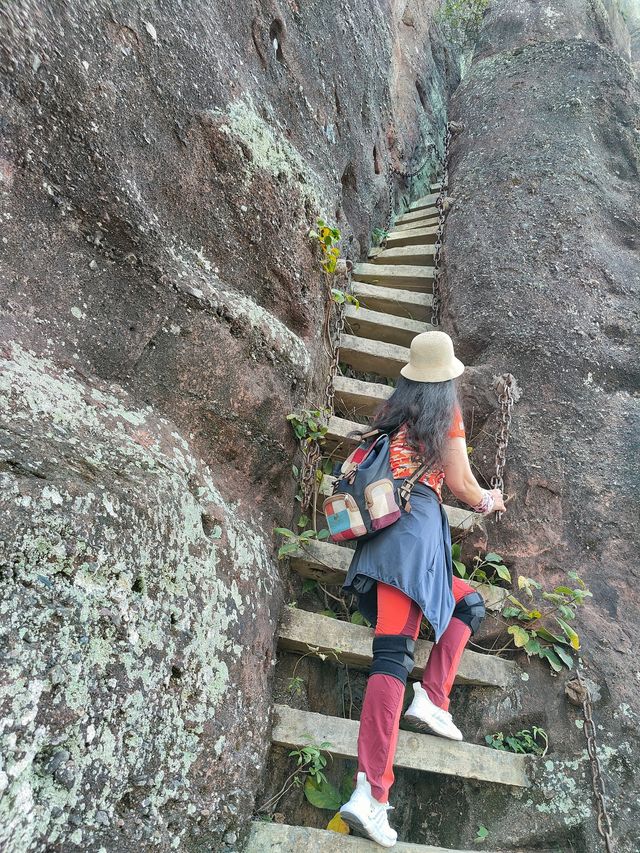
{"points": [[431, 359]]}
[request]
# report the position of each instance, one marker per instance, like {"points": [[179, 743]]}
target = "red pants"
{"points": [[384, 695]]}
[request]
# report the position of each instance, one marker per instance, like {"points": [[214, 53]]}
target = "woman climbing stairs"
{"points": [[395, 291]]}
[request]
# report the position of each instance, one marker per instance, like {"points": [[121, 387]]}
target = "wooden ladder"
{"points": [[395, 291]]}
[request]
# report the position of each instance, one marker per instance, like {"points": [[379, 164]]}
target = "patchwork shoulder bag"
{"points": [[365, 498]]}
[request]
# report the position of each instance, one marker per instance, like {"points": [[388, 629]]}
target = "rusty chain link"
{"points": [[437, 264], [604, 821], [406, 174], [504, 389], [312, 451]]}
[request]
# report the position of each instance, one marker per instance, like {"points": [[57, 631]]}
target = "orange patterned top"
{"points": [[404, 461]]}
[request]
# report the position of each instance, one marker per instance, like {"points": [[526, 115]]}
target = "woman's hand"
{"points": [[498, 501], [461, 481]]}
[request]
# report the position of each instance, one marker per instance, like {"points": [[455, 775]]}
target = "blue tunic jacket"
{"points": [[414, 555]]}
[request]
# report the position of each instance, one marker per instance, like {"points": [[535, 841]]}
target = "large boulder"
{"points": [[543, 280], [161, 312]]}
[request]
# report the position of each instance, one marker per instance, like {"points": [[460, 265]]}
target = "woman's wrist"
{"points": [[486, 503]]}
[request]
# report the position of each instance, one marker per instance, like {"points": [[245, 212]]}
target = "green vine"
{"points": [[340, 297], [295, 541], [327, 237]]}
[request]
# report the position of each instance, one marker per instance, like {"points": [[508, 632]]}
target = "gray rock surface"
{"points": [[547, 204], [160, 166]]}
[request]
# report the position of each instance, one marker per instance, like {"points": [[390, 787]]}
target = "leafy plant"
{"points": [[295, 541], [537, 634], [327, 237], [482, 833], [295, 685], [461, 19], [310, 764], [488, 569], [322, 795], [358, 619], [341, 297], [311, 758], [326, 796], [378, 236], [308, 424], [534, 741]]}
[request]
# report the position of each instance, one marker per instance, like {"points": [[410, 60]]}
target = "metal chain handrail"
{"points": [[604, 821], [312, 451], [437, 261], [407, 174], [504, 388]]}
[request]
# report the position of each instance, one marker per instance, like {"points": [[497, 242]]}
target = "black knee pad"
{"points": [[470, 610], [393, 655]]}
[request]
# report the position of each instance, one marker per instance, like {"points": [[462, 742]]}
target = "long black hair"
{"points": [[427, 408]]}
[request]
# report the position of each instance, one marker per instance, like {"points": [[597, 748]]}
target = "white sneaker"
{"points": [[423, 714], [365, 814]]}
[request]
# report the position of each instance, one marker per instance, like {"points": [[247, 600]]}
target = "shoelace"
{"points": [[377, 808], [445, 716]]}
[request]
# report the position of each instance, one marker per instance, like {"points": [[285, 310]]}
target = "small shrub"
{"points": [[534, 741], [488, 569], [295, 541], [545, 631], [309, 424]]}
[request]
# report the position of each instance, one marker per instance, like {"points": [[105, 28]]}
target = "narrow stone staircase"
{"points": [[395, 291]]}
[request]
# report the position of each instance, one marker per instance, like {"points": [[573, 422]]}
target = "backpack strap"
{"points": [[406, 488], [349, 472], [370, 434]]}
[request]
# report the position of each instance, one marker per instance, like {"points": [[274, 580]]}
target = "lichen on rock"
{"points": [[116, 682]]}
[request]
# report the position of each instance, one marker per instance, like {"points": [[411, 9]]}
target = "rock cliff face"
{"points": [[160, 168], [543, 280]]}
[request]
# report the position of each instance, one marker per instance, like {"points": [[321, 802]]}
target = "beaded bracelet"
{"points": [[485, 506]]}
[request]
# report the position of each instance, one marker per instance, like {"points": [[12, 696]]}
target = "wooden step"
{"points": [[313, 562], [415, 215], [300, 629], [390, 300], [435, 188], [426, 201], [414, 751], [329, 563], [368, 356], [337, 439], [411, 237], [360, 398], [383, 327], [430, 221], [414, 255], [405, 276], [267, 837]]}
